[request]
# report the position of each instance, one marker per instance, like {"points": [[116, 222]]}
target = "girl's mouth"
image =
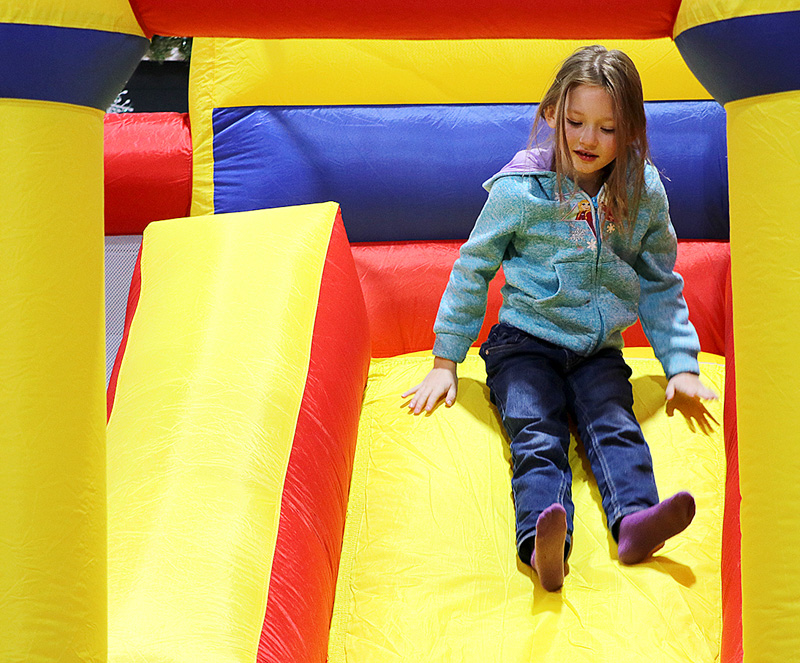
{"points": [[588, 157]]}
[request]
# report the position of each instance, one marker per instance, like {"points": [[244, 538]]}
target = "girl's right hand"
{"points": [[442, 380]]}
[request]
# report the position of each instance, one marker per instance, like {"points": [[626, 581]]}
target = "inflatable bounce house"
{"points": [[249, 485]]}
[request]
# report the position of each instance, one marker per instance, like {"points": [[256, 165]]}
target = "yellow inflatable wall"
{"points": [[52, 412], [746, 53]]}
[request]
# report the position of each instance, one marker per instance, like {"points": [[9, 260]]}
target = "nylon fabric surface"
{"points": [[412, 19], [148, 170], [402, 314], [429, 569], [106, 15], [323, 72], [314, 501], [700, 12], [315, 72], [368, 159], [731, 527], [764, 158], [199, 438], [52, 457], [744, 56], [68, 65]]}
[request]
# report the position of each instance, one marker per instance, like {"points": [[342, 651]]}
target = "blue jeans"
{"points": [[537, 386]]}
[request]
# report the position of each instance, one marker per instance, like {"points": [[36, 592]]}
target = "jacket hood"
{"points": [[526, 162]]}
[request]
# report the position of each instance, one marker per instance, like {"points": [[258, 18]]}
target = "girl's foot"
{"points": [[548, 552], [644, 532]]}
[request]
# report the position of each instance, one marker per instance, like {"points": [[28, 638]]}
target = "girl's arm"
{"points": [[463, 304], [662, 308]]}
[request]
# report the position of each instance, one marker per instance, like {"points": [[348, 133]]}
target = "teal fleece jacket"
{"points": [[565, 283]]}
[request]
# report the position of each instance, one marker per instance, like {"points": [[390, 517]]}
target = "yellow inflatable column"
{"points": [[745, 55], [764, 172], [52, 415]]}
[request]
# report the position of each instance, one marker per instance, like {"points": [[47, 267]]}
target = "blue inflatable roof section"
{"points": [[744, 56], [66, 65], [415, 172]]}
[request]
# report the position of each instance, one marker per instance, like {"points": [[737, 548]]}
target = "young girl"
{"points": [[584, 237]]}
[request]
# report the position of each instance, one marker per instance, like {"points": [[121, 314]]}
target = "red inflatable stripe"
{"points": [[410, 19], [732, 648], [133, 302], [403, 283], [148, 170], [704, 266], [402, 313], [316, 488]]}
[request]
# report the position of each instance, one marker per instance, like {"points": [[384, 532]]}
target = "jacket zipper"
{"points": [[596, 276]]}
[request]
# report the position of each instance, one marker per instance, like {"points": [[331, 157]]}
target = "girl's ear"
{"points": [[550, 117]]}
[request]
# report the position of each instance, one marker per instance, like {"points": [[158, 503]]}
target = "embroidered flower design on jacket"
{"points": [[609, 222]]}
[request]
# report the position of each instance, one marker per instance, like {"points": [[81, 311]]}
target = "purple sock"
{"points": [[644, 532], [548, 551]]}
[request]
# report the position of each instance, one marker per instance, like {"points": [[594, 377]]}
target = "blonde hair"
{"points": [[614, 72]]}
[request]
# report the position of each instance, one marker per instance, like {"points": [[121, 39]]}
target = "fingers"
{"points": [[408, 392], [433, 399], [428, 393], [425, 399], [699, 391], [694, 389], [706, 394], [451, 396], [414, 403], [422, 396]]}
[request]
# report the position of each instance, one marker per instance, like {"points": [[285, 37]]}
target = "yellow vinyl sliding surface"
{"points": [[429, 569]]}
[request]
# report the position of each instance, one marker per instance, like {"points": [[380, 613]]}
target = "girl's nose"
{"points": [[589, 137]]}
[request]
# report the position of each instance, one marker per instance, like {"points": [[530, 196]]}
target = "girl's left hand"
{"points": [[689, 385]]}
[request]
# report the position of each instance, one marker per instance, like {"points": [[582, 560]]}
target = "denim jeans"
{"points": [[537, 386]]}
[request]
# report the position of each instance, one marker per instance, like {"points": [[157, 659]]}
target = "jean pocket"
{"points": [[503, 339]]}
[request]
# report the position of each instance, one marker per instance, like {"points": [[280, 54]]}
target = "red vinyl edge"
{"points": [[410, 19], [314, 503], [732, 647], [140, 20], [133, 302]]}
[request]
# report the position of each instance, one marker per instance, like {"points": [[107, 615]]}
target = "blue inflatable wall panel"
{"points": [[396, 178]]}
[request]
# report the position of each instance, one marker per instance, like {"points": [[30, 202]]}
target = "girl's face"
{"points": [[589, 132]]}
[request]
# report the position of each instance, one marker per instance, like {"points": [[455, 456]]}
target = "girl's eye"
{"points": [[607, 131], [573, 123]]}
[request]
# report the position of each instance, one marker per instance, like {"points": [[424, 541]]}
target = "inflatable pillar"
{"points": [[62, 65], [745, 55]]}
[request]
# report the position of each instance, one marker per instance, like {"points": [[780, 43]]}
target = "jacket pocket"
{"points": [[563, 284], [619, 292]]}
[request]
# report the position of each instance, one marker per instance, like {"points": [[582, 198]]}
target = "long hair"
{"points": [[614, 72]]}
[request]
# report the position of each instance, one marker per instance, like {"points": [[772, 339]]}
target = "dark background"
{"points": [[161, 81]]}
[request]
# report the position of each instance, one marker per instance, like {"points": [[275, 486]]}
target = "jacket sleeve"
{"points": [[463, 305], [662, 308]]}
